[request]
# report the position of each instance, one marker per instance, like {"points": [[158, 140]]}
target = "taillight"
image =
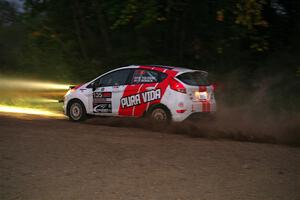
{"points": [[177, 86]]}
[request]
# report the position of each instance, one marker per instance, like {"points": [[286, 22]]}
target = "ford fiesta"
{"points": [[158, 92]]}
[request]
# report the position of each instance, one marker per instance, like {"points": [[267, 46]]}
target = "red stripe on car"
{"points": [[138, 110]]}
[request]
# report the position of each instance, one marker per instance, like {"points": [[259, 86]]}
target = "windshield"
{"points": [[194, 78]]}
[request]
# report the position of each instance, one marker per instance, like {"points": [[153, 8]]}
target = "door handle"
{"points": [[150, 88]]}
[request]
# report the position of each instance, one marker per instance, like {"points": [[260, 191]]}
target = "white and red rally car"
{"points": [[160, 92]]}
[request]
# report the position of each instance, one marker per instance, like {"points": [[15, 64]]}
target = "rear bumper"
{"points": [[201, 116], [196, 110]]}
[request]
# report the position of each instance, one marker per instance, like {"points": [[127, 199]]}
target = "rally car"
{"points": [[159, 92]]}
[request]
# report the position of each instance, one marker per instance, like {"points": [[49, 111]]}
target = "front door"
{"points": [[108, 92]]}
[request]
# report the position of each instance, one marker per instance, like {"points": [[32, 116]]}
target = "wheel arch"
{"points": [[158, 105], [71, 101]]}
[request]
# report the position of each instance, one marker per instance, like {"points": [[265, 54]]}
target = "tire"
{"points": [[76, 111], [160, 114]]}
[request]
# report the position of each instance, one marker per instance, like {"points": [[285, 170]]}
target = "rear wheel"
{"points": [[160, 114], [76, 111]]}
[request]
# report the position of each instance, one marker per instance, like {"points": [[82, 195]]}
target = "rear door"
{"points": [[141, 93], [109, 90]]}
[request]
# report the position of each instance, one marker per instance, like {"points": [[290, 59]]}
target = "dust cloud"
{"points": [[225, 126], [244, 114]]}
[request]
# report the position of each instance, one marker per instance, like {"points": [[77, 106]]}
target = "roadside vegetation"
{"points": [[246, 45]]}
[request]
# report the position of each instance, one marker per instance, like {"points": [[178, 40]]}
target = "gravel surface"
{"points": [[43, 158]]}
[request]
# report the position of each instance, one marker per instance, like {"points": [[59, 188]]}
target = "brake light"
{"points": [[177, 86]]}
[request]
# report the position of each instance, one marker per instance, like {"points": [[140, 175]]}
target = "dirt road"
{"points": [[56, 159]]}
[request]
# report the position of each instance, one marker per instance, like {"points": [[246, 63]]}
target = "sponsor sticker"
{"points": [[140, 98], [102, 102]]}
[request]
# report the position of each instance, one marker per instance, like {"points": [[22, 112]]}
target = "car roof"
{"points": [[178, 69]]}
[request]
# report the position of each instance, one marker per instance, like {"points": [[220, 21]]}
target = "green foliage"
{"points": [[249, 14], [7, 13], [73, 39]]}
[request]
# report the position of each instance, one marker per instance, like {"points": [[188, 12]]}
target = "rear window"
{"points": [[194, 78]]}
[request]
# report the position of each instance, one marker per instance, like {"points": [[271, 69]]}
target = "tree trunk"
{"points": [[78, 32], [103, 29]]}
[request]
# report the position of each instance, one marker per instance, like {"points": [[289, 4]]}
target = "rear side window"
{"points": [[194, 78], [147, 76]]}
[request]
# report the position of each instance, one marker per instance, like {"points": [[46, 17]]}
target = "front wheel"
{"points": [[77, 111]]}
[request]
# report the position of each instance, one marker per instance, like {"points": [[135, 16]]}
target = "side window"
{"points": [[145, 76], [115, 78], [162, 76]]}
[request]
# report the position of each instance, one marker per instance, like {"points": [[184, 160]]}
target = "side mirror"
{"points": [[94, 87]]}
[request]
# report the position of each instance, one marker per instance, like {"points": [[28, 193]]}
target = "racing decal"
{"points": [[205, 104], [102, 102], [133, 110], [129, 90], [138, 106], [140, 98], [139, 110], [139, 77], [148, 104], [202, 88]]}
